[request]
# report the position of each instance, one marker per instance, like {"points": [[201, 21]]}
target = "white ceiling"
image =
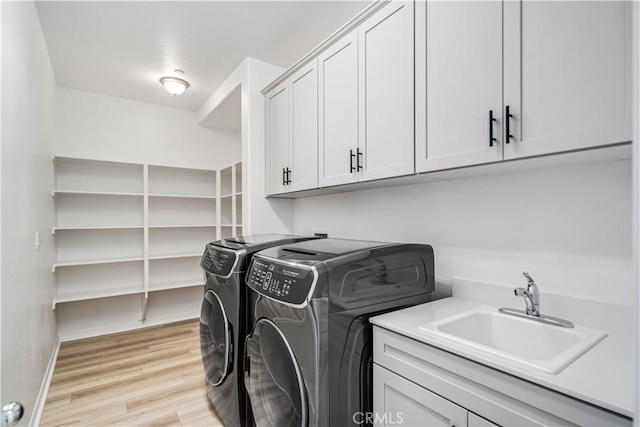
{"points": [[122, 48]]}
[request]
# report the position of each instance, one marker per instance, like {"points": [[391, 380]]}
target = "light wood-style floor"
{"points": [[148, 377]]}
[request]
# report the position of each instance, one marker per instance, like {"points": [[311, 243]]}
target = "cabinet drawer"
{"points": [[401, 402], [487, 392], [475, 421]]}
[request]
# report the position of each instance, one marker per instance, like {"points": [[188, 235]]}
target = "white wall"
{"points": [[260, 215], [107, 128], [636, 190], [27, 287], [569, 227]]}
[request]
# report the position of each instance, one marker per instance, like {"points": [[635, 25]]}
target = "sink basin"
{"points": [[485, 333]]}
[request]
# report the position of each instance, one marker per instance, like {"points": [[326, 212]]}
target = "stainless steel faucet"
{"points": [[531, 296]]}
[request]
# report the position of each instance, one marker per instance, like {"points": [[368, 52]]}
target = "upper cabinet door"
{"points": [[304, 128], [567, 75], [338, 111], [463, 84], [386, 92], [277, 117]]}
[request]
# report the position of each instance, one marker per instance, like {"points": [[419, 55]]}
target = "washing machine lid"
{"points": [[315, 251], [257, 242], [352, 273]]}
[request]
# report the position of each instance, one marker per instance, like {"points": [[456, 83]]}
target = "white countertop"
{"points": [[603, 376]]}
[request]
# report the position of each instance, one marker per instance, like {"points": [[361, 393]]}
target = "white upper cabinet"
{"points": [[338, 111], [567, 75], [292, 132], [366, 100], [303, 173], [386, 115], [559, 69], [463, 84], [423, 86], [277, 117]]}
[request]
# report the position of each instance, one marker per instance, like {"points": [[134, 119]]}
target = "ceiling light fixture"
{"points": [[174, 85]]}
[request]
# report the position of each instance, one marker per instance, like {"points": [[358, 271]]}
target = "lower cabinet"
{"points": [[415, 384], [398, 401]]}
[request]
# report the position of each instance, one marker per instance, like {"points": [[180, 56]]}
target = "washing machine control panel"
{"points": [[282, 282], [217, 261]]}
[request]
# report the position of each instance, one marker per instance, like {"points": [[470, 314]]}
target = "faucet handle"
{"points": [[519, 292], [528, 276], [532, 288]]}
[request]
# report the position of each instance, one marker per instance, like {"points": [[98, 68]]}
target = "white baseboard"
{"points": [[38, 408]]}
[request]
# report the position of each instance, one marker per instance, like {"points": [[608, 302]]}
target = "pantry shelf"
{"points": [[145, 226], [95, 294], [77, 263]]}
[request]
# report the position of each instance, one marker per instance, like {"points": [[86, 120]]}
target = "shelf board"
{"points": [[75, 263], [177, 284], [55, 193], [181, 168], [185, 226], [96, 294], [111, 227], [56, 159], [226, 225], [227, 196], [182, 196], [174, 256]]}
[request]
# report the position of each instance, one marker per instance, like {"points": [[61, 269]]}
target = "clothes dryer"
{"points": [[223, 321], [309, 356]]}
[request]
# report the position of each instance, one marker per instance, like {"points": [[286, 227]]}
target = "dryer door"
{"points": [[215, 339], [273, 379]]}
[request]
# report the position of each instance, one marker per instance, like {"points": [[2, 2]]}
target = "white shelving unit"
{"points": [[230, 212], [126, 230], [99, 229]]}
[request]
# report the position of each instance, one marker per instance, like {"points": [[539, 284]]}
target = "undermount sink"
{"points": [[485, 333]]}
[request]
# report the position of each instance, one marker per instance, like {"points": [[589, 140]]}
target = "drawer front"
{"points": [[397, 401], [475, 386], [476, 421]]}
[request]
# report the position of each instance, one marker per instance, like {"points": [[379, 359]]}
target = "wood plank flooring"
{"points": [[148, 377]]}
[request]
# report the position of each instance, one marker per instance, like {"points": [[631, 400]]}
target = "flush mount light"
{"points": [[174, 85]]}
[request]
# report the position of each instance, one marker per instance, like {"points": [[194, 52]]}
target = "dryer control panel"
{"points": [[217, 261], [283, 282]]}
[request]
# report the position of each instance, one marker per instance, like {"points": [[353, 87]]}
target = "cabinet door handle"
{"points": [[284, 177], [288, 175], [491, 121], [359, 167], [351, 157], [507, 123]]}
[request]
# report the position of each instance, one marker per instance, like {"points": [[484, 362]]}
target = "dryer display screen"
{"points": [[218, 262], [283, 282]]}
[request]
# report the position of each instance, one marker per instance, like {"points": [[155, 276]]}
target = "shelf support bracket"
{"points": [[144, 299]]}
